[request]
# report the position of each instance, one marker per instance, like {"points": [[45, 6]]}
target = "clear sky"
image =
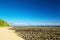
{"points": [[30, 12]]}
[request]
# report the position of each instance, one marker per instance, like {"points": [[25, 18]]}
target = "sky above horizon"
{"points": [[30, 12]]}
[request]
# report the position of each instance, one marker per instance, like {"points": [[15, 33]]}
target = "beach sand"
{"points": [[7, 34]]}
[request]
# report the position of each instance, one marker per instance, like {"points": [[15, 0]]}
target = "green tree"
{"points": [[3, 23]]}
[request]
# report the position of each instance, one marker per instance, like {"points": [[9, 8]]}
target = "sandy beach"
{"points": [[6, 34]]}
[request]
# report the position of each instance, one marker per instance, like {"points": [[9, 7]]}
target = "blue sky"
{"points": [[30, 12]]}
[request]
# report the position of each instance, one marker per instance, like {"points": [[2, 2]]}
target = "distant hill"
{"points": [[3, 23]]}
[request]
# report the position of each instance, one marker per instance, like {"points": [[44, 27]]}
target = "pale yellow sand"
{"points": [[6, 34]]}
